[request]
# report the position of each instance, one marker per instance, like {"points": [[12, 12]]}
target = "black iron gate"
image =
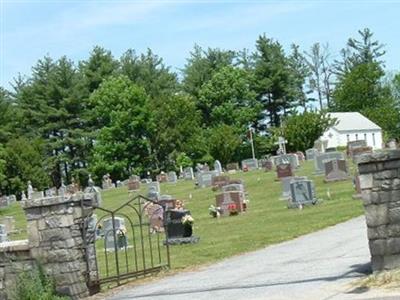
{"points": [[125, 243]]}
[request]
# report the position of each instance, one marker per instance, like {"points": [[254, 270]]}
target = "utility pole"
{"points": [[252, 143]]}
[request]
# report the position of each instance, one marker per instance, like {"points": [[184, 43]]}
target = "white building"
{"points": [[353, 126]]}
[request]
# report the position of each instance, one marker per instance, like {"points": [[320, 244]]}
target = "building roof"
{"points": [[348, 121]]}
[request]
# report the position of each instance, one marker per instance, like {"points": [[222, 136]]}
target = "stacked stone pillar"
{"points": [[380, 185], [56, 227]]}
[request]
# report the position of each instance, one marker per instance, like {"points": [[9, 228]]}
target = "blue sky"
{"points": [[32, 29]]}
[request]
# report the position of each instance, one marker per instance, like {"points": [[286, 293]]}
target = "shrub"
{"points": [[35, 285]]}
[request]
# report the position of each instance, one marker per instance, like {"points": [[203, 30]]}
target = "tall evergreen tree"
{"points": [[273, 80]]}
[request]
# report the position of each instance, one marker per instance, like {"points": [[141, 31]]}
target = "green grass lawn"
{"points": [[267, 221]]}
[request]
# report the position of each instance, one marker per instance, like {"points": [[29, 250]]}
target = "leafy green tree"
{"points": [[24, 160], [122, 144], [224, 141], [176, 129], [201, 65], [227, 98], [301, 130]]}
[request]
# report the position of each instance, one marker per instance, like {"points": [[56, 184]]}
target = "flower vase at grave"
{"points": [[121, 241], [187, 230]]}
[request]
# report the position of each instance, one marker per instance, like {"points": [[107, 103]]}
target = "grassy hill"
{"points": [[267, 221]]}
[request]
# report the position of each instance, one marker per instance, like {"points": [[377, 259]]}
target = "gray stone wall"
{"points": [[56, 228], [15, 257], [380, 185]]}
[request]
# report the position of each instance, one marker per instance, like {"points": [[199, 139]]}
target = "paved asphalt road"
{"points": [[315, 266]]}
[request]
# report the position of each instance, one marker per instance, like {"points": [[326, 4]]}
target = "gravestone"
{"points": [[284, 170], [172, 178], [301, 193], [167, 202], [155, 214], [220, 181], [300, 155], [107, 182], [311, 153], [336, 170], [351, 145], [250, 163], [3, 233], [162, 177], [12, 199], [133, 183], [232, 167], [204, 179], [286, 181], [269, 165], [37, 195], [392, 144], [331, 149], [322, 158], [356, 152], [291, 159], [226, 199], [176, 231], [4, 201], [281, 145], [154, 185], [51, 192], [9, 223], [218, 167], [233, 187], [188, 173], [119, 224], [153, 192]]}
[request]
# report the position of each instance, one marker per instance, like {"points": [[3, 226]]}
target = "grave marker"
{"points": [[284, 170], [109, 233], [226, 199], [250, 164], [311, 153], [218, 167], [301, 193], [172, 178], [188, 173], [286, 181], [204, 179], [336, 170], [321, 158]]}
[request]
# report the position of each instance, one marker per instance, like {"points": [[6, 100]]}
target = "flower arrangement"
{"points": [[215, 211], [121, 237], [187, 220], [232, 208]]}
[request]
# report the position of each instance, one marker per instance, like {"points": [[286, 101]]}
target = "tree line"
{"points": [[133, 115]]}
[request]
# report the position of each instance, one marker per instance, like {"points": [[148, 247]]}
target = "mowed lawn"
{"points": [[267, 221]]}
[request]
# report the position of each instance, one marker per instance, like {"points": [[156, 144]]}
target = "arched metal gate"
{"points": [[126, 242]]}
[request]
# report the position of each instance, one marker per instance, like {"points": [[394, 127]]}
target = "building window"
{"points": [[348, 138], [356, 136], [365, 138], [373, 139]]}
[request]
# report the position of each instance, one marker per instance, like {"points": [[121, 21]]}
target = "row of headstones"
{"points": [[5, 201]]}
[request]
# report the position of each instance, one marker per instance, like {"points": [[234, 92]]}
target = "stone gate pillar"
{"points": [[55, 233], [380, 185]]}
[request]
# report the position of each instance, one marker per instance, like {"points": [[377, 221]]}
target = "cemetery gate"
{"points": [[124, 243]]}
